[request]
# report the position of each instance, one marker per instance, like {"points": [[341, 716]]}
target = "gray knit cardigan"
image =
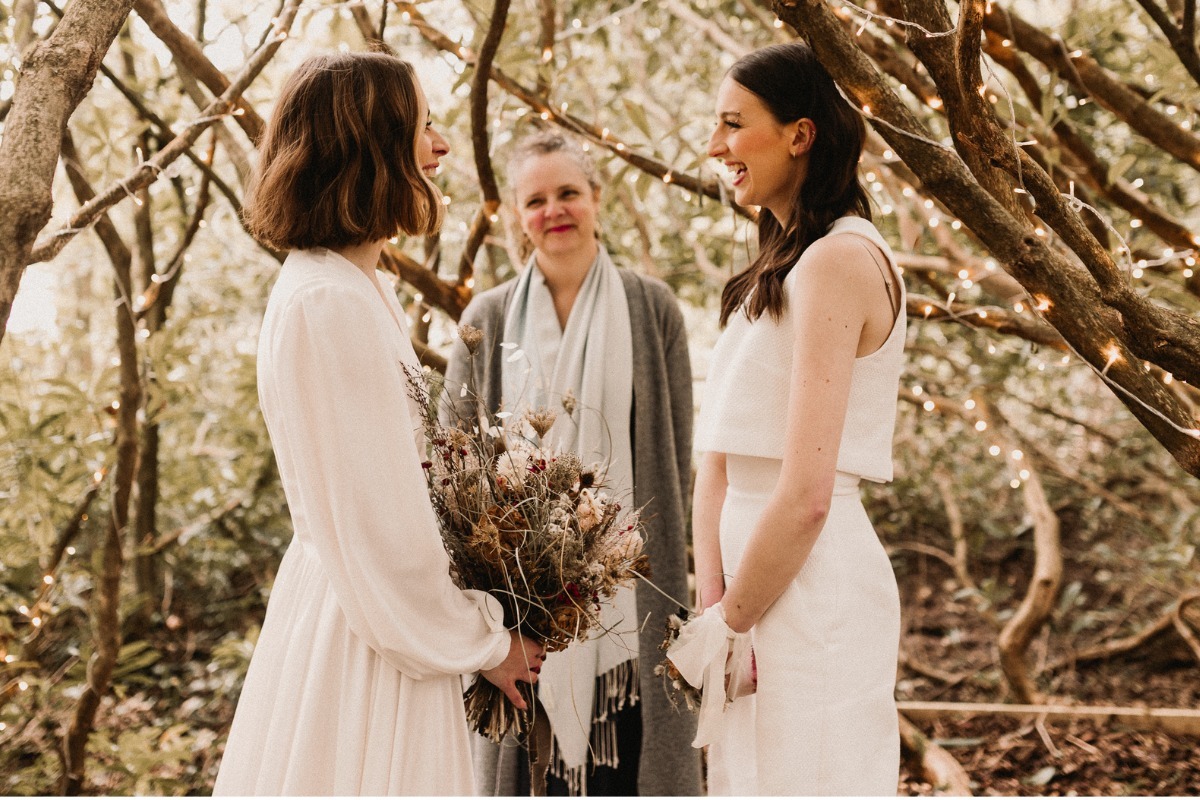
{"points": [[661, 428]]}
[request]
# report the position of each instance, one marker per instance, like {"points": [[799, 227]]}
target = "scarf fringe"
{"points": [[615, 689]]}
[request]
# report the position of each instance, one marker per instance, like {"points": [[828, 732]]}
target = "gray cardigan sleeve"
{"points": [[679, 375]]}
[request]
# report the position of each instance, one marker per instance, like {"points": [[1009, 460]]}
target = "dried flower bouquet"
{"points": [[528, 523]]}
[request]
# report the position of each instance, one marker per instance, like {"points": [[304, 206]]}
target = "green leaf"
{"points": [[1121, 166], [637, 115]]}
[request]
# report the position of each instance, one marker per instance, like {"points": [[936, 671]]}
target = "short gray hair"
{"points": [[543, 143]]}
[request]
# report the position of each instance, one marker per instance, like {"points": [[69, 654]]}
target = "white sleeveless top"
{"points": [[749, 383]]}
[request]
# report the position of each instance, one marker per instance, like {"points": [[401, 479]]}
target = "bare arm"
{"points": [[837, 292], [707, 499]]}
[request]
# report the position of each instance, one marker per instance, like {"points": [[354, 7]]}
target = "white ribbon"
{"points": [[706, 650]]}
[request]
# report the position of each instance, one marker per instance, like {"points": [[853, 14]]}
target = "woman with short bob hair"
{"points": [[355, 685], [338, 167], [799, 407]]}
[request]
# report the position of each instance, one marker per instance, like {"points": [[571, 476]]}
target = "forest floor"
{"points": [[945, 630]]}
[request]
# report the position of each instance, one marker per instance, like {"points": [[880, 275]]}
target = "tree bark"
{"points": [[148, 172], [189, 56], [481, 145], [106, 601], [55, 76], [1112, 339]]}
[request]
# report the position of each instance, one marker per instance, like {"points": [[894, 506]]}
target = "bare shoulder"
{"points": [[840, 262], [833, 282]]}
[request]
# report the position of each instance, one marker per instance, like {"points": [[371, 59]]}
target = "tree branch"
{"points": [[107, 601], [190, 57], [480, 143], [56, 75], [1077, 309], [597, 134], [1181, 42], [1087, 76], [148, 172]]}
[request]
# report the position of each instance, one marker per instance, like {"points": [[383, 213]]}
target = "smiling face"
{"points": [[556, 204], [430, 146], [766, 159]]}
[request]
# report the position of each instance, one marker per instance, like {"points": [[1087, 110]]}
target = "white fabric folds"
{"points": [[355, 686], [593, 359], [706, 651]]}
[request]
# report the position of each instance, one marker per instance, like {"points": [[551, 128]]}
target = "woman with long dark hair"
{"points": [[355, 685], [800, 405]]}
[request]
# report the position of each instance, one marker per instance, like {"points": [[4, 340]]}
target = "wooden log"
{"points": [[932, 762], [1170, 720]]}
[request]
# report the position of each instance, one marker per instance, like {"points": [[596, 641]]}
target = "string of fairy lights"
{"points": [[882, 182]]}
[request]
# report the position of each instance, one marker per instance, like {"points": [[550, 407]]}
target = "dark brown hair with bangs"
{"points": [[338, 163], [793, 85]]}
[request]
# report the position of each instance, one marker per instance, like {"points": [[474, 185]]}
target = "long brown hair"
{"points": [[793, 85], [338, 165]]}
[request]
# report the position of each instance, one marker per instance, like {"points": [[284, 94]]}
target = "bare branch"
{"points": [[107, 631], [480, 143], [598, 134], [148, 172], [1126, 644], [1000, 320], [56, 75], [1182, 42], [1086, 75], [190, 57], [548, 16]]}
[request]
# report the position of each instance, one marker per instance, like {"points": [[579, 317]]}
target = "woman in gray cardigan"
{"points": [[572, 325]]}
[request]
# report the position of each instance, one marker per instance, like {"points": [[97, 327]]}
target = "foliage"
{"points": [[644, 74]]}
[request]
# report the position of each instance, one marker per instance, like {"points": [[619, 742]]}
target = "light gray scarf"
{"points": [[592, 358]]}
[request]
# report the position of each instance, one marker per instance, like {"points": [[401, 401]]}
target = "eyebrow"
{"points": [[574, 186]]}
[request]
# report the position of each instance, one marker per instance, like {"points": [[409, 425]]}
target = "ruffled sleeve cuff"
{"points": [[493, 615]]}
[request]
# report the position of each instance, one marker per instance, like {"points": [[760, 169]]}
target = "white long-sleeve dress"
{"points": [[354, 687]]}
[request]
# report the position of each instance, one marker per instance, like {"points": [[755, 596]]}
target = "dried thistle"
{"points": [[569, 403], [563, 472], [471, 336], [541, 420]]}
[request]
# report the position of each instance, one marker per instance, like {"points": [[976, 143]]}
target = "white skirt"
{"points": [[823, 720], [321, 713]]}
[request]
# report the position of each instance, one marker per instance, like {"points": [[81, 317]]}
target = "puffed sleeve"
{"points": [[358, 492]]}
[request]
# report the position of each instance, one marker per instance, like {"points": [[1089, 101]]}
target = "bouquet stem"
{"points": [[492, 714]]}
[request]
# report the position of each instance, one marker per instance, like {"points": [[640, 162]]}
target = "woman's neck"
{"points": [[564, 274], [365, 256]]}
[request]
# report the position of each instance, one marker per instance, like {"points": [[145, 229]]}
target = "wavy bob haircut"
{"points": [[338, 164], [791, 82]]}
